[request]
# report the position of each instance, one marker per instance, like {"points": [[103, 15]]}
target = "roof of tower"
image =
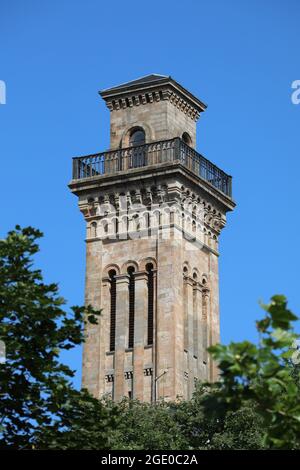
{"points": [[150, 88], [153, 77]]}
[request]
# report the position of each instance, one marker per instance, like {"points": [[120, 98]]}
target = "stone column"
{"points": [[91, 357], [169, 312], [140, 309], [214, 317], [198, 330], [122, 307]]}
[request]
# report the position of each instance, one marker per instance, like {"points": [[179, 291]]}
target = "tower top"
{"points": [[152, 130], [153, 87]]}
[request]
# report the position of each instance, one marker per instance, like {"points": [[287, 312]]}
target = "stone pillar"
{"points": [[214, 317], [122, 307], [140, 309], [91, 357], [169, 276], [198, 331]]}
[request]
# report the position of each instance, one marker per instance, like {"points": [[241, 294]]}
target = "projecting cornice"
{"points": [[150, 89]]}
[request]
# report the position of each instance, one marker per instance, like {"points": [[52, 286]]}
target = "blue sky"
{"points": [[239, 57]]}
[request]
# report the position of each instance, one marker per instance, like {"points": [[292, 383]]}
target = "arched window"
{"points": [[149, 269], [187, 139], [205, 321], [185, 315], [137, 137], [131, 288], [112, 339], [137, 140], [93, 230]]}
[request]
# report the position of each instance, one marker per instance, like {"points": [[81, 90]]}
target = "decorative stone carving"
{"points": [[166, 94]]}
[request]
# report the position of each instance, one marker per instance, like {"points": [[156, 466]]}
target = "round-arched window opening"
{"points": [[186, 139], [137, 137], [112, 273], [130, 270], [149, 267]]}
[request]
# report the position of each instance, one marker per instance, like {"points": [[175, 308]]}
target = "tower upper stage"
{"points": [[152, 131], [158, 103]]}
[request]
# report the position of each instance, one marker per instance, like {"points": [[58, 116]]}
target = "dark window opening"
{"points": [[130, 271], [138, 155], [137, 137], [186, 139], [112, 340], [149, 269]]}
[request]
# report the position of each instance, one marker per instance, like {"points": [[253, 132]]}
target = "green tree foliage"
{"points": [[184, 425], [209, 424], [146, 426], [81, 423], [265, 375], [34, 384]]}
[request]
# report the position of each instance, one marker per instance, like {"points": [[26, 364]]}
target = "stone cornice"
{"points": [[145, 93], [111, 182]]}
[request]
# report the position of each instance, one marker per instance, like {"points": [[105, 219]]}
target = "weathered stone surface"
{"points": [[171, 219]]}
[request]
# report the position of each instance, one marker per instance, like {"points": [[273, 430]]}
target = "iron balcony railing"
{"points": [[154, 153]]}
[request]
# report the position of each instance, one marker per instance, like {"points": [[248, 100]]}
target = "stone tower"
{"points": [[154, 208]]}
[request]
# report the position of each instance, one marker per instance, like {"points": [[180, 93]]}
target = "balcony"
{"points": [[173, 151]]}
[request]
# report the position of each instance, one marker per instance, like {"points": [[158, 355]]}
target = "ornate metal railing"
{"points": [[154, 153]]}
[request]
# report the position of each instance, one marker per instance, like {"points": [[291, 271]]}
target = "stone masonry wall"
{"points": [[160, 120]]}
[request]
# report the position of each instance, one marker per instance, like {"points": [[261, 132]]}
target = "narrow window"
{"points": [[138, 153], [205, 320], [195, 317], [149, 269], [185, 299], [112, 339], [130, 271]]}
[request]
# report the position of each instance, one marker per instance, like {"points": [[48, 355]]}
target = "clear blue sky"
{"points": [[239, 57]]}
